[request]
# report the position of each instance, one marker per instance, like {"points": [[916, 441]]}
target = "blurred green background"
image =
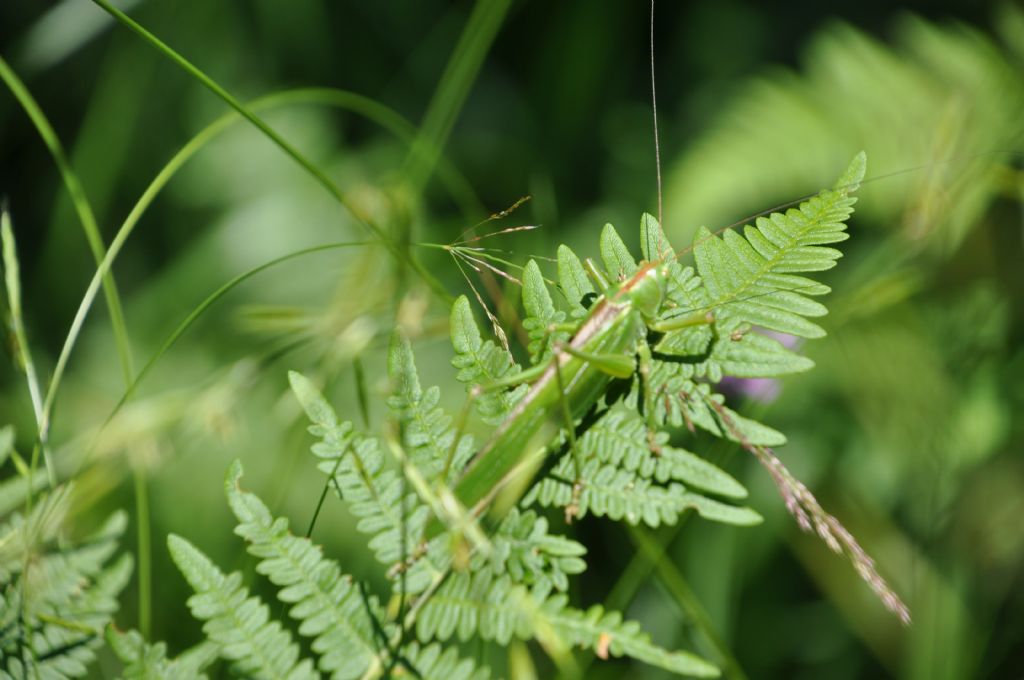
{"points": [[909, 429]]}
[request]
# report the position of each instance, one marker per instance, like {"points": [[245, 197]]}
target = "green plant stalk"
{"points": [[85, 215], [387, 118], [319, 175], [450, 96], [604, 346], [144, 548], [685, 598], [12, 280], [95, 240], [198, 311]]}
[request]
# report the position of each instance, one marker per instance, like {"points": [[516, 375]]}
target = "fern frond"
{"points": [[144, 661], [541, 315], [56, 576], [327, 603], [470, 603], [617, 259], [574, 282], [619, 438], [523, 548], [482, 362], [619, 494], [427, 432], [55, 598], [751, 279], [434, 662], [238, 623], [21, 535], [750, 282], [608, 634], [372, 491], [59, 639]]}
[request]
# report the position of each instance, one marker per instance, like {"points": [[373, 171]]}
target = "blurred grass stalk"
{"points": [[12, 281]]}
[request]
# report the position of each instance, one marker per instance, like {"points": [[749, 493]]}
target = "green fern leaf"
{"points": [[373, 492], [238, 623], [56, 576], [608, 634], [610, 491], [619, 438], [616, 256], [482, 362], [433, 662], [145, 661], [498, 610], [327, 604], [540, 315], [63, 636], [427, 431], [751, 281], [574, 282], [523, 548], [55, 599]]}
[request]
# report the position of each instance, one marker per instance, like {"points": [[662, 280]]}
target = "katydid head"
{"points": [[646, 290]]}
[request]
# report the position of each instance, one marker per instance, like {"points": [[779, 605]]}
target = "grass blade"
{"points": [[319, 175]]}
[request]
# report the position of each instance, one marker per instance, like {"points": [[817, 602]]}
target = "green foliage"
{"points": [[427, 432], [508, 585], [541, 315], [327, 604], [625, 480], [348, 631], [482, 362], [143, 661], [238, 623], [470, 604], [500, 594], [374, 492], [573, 280], [942, 96], [913, 391], [510, 581], [56, 595]]}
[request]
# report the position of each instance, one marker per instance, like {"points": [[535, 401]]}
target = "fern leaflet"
{"points": [[238, 623]]}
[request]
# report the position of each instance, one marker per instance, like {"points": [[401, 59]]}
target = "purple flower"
{"points": [[765, 390]]}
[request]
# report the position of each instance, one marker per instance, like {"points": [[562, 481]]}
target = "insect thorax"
{"points": [[646, 290]]}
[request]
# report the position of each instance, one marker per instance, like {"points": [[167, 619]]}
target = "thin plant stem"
{"points": [[81, 205], [312, 169], [144, 549], [462, 68], [684, 597], [457, 185], [12, 280], [95, 241], [85, 215]]}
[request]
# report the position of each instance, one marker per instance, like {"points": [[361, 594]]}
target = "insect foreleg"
{"points": [[644, 366]]}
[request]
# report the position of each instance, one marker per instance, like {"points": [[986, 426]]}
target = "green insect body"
{"points": [[603, 348], [667, 325]]}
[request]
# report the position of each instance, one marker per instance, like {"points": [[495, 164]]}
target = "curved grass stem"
{"points": [[311, 168]]}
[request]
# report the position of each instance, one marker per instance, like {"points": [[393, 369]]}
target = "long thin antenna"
{"points": [[654, 108]]}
